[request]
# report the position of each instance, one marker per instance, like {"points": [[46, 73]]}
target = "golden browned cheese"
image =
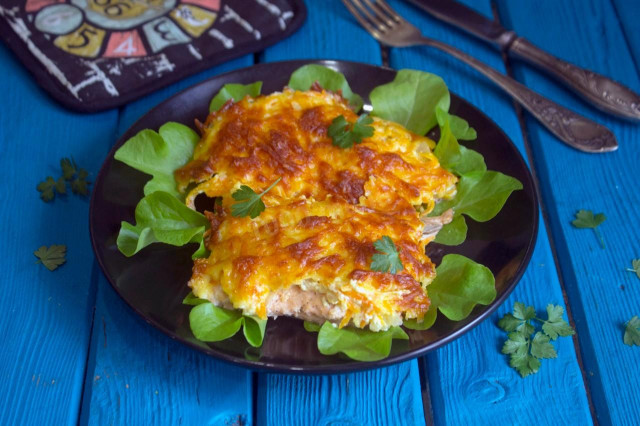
{"points": [[322, 218]]}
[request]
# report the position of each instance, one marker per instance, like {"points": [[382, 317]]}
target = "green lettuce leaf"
{"points": [[453, 233], [481, 195], [159, 154], [411, 100], [305, 76], [192, 300], [161, 217], [453, 156], [427, 321], [210, 323], [356, 343], [459, 126], [235, 92], [460, 285]]}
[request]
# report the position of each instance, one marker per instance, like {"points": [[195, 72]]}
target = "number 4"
{"points": [[126, 47]]}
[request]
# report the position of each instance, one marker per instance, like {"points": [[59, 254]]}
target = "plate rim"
{"points": [[352, 365]]}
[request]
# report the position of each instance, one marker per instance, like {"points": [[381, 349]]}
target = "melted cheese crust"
{"points": [[322, 218]]}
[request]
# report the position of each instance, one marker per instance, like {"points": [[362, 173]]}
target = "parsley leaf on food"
{"points": [[345, 134], [635, 264], [586, 219], [388, 260], [51, 257], [251, 203], [632, 332], [525, 353]]}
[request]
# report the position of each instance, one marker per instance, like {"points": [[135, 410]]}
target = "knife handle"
{"points": [[604, 93]]}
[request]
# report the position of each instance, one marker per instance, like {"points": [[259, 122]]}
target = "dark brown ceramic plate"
{"points": [[153, 282]]}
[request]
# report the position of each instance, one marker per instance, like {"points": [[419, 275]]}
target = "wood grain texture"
{"points": [[135, 374], [602, 294], [386, 396], [46, 316], [627, 13], [138, 376], [470, 380], [329, 32]]}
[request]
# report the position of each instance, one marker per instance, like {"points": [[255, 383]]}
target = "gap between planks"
{"points": [[545, 219]]}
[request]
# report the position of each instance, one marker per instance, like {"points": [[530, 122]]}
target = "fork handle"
{"points": [[601, 91], [571, 128]]}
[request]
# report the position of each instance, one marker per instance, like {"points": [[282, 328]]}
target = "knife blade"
{"points": [[463, 17], [604, 93]]}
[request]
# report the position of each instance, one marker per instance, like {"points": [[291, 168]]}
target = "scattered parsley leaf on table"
{"points": [[635, 264], [250, 202], [51, 257], [632, 332], [525, 353], [345, 134], [48, 187], [68, 167], [388, 260], [586, 219]]}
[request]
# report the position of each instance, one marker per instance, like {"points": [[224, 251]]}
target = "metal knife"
{"points": [[604, 93]]}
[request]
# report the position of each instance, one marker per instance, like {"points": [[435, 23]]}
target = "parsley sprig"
{"points": [[345, 134], [526, 352], [586, 219], [632, 332], [51, 257], [388, 260], [77, 178], [250, 202], [635, 267]]}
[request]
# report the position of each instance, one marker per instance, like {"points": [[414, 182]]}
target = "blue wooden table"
{"points": [[73, 352]]}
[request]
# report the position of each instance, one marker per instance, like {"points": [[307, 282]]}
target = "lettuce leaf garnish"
{"points": [[356, 343], [210, 323], [459, 286], [304, 77], [411, 99], [160, 154], [161, 217], [235, 92]]}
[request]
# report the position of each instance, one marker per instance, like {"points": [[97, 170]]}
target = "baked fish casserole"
{"points": [[308, 254]]}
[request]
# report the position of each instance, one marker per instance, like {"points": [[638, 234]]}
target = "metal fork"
{"points": [[383, 23]]}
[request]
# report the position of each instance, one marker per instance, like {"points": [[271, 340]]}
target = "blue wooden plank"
{"points": [[137, 375], [627, 13], [329, 33], [46, 315], [382, 397], [602, 295], [470, 380], [147, 377], [386, 396]]}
